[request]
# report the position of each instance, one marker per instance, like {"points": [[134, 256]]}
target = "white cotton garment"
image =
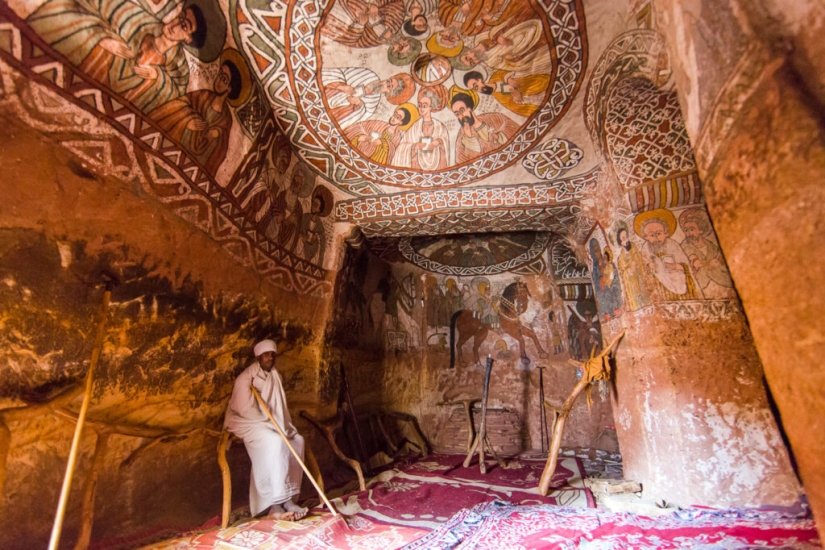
{"points": [[276, 474]]}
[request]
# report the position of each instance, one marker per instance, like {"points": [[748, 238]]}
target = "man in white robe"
{"points": [[351, 93], [425, 146], [276, 474]]}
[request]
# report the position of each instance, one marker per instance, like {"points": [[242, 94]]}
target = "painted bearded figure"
{"points": [[130, 50], [480, 134], [378, 140], [363, 24], [665, 260], [705, 256], [201, 120]]}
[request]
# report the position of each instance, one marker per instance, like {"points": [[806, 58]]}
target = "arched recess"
{"points": [[635, 54], [643, 135]]}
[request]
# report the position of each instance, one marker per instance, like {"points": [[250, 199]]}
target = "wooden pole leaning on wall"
{"points": [[109, 282], [596, 368]]}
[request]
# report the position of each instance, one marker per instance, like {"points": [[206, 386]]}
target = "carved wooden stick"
{"points": [[88, 510], [293, 451], [592, 371], [81, 417], [223, 445], [329, 433]]}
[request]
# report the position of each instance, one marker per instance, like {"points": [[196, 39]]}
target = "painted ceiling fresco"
{"points": [[265, 123]]}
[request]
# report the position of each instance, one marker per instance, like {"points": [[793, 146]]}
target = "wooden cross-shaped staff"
{"points": [[596, 368], [481, 441]]}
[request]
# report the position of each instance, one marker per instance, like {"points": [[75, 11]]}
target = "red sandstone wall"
{"points": [[757, 129], [181, 324]]}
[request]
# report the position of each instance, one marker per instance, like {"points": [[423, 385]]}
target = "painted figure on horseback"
{"points": [[512, 303]]}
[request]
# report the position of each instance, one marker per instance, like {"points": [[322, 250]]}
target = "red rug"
{"points": [[497, 525], [427, 493], [401, 505], [317, 531]]}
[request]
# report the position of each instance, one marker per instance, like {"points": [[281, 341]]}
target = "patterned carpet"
{"points": [[500, 525], [401, 505], [437, 504]]}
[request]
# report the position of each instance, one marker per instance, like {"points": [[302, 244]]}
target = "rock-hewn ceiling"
{"points": [[265, 122]]}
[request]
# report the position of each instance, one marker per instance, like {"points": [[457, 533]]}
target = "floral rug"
{"points": [[428, 492], [401, 505], [498, 525]]}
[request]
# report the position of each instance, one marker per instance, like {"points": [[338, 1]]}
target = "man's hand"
{"points": [[147, 73], [197, 124], [116, 47]]}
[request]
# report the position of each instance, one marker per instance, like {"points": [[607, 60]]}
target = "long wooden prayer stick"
{"points": [[294, 452], [81, 417]]}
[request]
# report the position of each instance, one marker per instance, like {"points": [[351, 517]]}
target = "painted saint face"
{"points": [[469, 58], [401, 47], [222, 80], [692, 232], [425, 106], [655, 232], [463, 113], [449, 37], [297, 182], [181, 28], [316, 206], [624, 240], [397, 118], [387, 86], [479, 86], [420, 23]]}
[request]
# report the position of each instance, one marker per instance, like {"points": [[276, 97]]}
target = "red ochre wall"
{"points": [[180, 328], [755, 118]]}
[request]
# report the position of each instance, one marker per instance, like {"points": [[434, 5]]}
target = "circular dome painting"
{"points": [[433, 93], [474, 253]]}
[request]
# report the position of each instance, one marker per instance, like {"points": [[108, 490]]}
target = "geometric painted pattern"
{"points": [[581, 291], [554, 158], [482, 200], [645, 134], [165, 167], [563, 218], [324, 146], [637, 53], [681, 190]]}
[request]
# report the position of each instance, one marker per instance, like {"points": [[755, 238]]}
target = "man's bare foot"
{"points": [[277, 512], [297, 511]]}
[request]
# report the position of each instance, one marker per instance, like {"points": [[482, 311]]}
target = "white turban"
{"points": [[264, 346]]}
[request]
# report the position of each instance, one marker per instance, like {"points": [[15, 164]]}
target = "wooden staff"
{"points": [[362, 450], [481, 440], [81, 417], [294, 452], [596, 368], [542, 412]]}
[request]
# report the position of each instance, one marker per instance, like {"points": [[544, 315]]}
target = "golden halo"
{"points": [[455, 90], [233, 56], [436, 48], [414, 115], [666, 216]]}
